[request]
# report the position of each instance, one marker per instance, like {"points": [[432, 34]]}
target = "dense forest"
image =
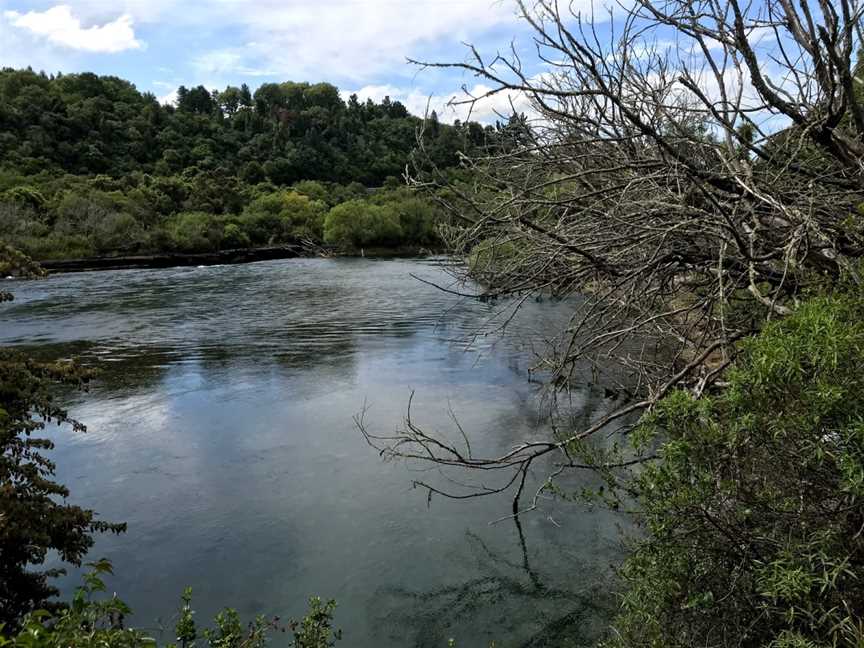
{"points": [[91, 166]]}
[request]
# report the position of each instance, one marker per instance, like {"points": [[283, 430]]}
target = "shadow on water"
{"points": [[516, 599]]}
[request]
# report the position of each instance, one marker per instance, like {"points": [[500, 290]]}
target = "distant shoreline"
{"points": [[222, 257]]}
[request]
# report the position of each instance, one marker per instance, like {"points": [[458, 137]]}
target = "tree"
{"points": [[230, 100], [626, 184], [197, 100], [357, 223], [245, 96], [34, 515], [754, 501], [81, 149]]}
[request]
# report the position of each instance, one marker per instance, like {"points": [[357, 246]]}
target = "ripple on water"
{"points": [[222, 431]]}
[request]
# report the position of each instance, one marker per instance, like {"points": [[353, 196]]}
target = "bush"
{"points": [[18, 220], [357, 223], [114, 232], [754, 507], [93, 621], [313, 189], [234, 237], [35, 517], [26, 196], [140, 212], [417, 218], [80, 205], [282, 216], [196, 232]]}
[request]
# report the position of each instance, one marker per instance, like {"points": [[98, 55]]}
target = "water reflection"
{"points": [[555, 612], [221, 430]]}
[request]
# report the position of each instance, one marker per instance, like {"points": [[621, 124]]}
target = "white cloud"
{"points": [[352, 43], [449, 107], [169, 98], [234, 61], [61, 27], [376, 93], [307, 39], [344, 39]]}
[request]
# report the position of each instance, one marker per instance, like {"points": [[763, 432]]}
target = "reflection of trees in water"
{"points": [[123, 369], [511, 602]]}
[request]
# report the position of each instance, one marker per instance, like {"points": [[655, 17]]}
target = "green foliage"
{"points": [[418, 218], [233, 237], [754, 508], [35, 517], [284, 215], [142, 214], [196, 232], [359, 223], [315, 630], [92, 620], [26, 196], [15, 263], [87, 622], [88, 124], [185, 629], [89, 166]]}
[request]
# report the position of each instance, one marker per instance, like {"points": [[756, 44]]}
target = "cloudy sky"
{"points": [[359, 45]]}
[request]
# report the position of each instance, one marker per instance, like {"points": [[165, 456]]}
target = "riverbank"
{"points": [[222, 257], [175, 259]]}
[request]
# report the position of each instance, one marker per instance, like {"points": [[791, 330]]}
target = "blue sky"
{"points": [[359, 45]]}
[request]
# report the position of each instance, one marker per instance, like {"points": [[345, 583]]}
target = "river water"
{"points": [[221, 430]]}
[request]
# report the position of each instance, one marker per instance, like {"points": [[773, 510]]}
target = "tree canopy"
{"points": [[90, 166], [284, 132]]}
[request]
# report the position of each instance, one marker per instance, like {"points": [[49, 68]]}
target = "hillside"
{"points": [[91, 166]]}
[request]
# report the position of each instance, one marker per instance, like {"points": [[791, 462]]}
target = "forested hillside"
{"points": [[90, 165]]}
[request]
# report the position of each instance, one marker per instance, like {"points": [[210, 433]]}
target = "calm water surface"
{"points": [[221, 430]]}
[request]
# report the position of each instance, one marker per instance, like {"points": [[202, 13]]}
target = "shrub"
{"points": [[283, 215], [754, 507], [252, 172], [114, 232], [417, 218], [17, 220], [357, 223], [234, 237], [313, 189], [92, 620], [196, 232], [35, 517], [26, 196]]}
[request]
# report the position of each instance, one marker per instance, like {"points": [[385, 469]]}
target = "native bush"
{"points": [[94, 620], [358, 223], [196, 232], [753, 509]]}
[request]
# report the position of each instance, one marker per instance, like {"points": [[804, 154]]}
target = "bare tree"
{"points": [[691, 168]]}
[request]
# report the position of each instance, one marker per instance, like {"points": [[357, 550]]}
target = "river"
{"points": [[221, 430]]}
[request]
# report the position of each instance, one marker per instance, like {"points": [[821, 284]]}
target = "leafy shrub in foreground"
{"points": [[754, 507], [92, 620], [35, 517]]}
